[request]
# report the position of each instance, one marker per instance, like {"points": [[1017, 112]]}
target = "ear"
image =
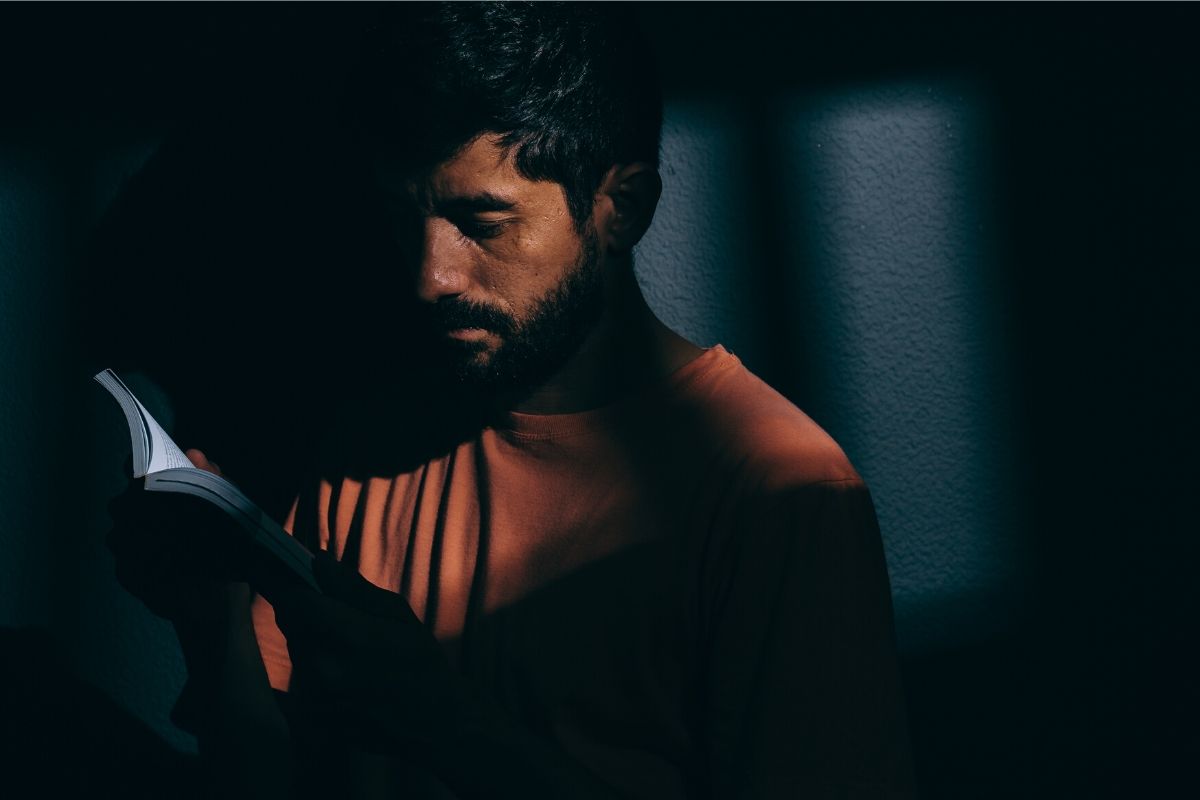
{"points": [[625, 204]]}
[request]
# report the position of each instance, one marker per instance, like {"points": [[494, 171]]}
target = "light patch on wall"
{"points": [[890, 290]]}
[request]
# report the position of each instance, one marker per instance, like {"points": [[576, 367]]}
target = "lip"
{"points": [[467, 334]]}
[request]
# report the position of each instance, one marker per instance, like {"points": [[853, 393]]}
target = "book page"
{"points": [[153, 449], [164, 453], [139, 433]]}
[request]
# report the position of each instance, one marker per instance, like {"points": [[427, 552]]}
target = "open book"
{"points": [[166, 469]]}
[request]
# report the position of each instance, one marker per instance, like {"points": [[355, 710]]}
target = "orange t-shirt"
{"points": [[684, 591]]}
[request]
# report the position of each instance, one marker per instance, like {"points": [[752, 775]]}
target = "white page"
{"points": [[164, 453], [144, 430]]}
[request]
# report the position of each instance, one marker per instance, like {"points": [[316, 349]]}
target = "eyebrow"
{"points": [[463, 204], [474, 204]]}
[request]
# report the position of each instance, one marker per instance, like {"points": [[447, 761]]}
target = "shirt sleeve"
{"points": [[803, 694]]}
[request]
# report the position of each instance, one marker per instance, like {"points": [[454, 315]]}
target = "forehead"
{"points": [[481, 169]]}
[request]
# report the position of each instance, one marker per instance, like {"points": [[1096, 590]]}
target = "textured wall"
{"points": [[885, 279]]}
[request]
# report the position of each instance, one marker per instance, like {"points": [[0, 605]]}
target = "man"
{"points": [[599, 560]]}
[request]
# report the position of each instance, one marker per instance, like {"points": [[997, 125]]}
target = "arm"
{"points": [[175, 554], [804, 696]]}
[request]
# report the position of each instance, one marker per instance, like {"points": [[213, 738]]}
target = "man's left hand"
{"points": [[365, 669]]}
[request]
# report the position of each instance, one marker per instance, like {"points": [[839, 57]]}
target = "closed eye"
{"points": [[480, 229]]}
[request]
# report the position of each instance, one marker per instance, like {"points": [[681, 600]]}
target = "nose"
{"points": [[443, 268]]}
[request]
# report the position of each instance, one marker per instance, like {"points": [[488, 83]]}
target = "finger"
{"points": [[201, 461], [341, 581], [300, 611], [278, 580]]}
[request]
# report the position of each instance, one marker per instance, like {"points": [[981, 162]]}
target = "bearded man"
{"points": [[580, 556]]}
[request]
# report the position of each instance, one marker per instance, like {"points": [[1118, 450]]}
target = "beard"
{"points": [[532, 349]]}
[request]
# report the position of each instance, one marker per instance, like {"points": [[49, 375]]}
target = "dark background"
{"points": [[1073, 674]]}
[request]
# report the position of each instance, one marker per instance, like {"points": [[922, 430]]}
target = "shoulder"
{"points": [[761, 438]]}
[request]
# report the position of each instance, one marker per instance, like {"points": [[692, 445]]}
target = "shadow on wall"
{"points": [[63, 737]]}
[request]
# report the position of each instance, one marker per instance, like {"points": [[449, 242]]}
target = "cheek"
{"points": [[526, 266]]}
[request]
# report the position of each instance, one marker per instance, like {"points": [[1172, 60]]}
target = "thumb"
{"points": [[342, 582]]}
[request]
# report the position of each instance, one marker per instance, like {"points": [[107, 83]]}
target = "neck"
{"points": [[629, 349]]}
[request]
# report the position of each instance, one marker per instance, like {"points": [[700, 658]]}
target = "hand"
{"points": [[175, 553], [368, 674], [365, 669]]}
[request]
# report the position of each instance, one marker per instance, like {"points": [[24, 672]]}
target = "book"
{"points": [[165, 468]]}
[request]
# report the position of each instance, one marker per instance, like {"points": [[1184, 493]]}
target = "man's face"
{"points": [[508, 287]]}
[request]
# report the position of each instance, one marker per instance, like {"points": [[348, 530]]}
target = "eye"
{"points": [[479, 229]]}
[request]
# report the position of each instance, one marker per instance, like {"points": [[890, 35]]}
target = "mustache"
{"points": [[449, 314]]}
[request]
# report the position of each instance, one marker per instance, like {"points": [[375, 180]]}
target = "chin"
{"points": [[471, 362]]}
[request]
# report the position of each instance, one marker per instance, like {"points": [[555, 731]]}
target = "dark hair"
{"points": [[571, 87]]}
